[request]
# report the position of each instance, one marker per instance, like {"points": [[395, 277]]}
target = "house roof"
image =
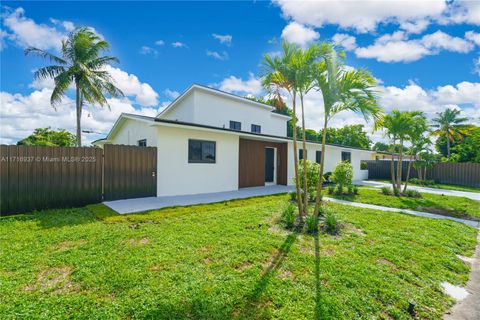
{"points": [[154, 120], [220, 93]]}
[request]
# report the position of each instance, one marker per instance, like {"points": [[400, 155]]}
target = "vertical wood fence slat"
{"points": [[464, 174]]}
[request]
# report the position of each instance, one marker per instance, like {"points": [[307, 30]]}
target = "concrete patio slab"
{"points": [[378, 184], [151, 203]]}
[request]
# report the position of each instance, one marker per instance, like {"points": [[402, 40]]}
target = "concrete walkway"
{"points": [[469, 308], [471, 223], [470, 195], [151, 203]]}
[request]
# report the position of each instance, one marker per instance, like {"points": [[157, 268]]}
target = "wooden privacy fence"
{"points": [[463, 174], [34, 177]]}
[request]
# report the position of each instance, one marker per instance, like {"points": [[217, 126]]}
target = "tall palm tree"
{"points": [[279, 73], [342, 89], [419, 143], [81, 64], [449, 126], [303, 64]]}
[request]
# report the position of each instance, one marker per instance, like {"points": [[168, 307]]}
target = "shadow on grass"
{"points": [[253, 305]]}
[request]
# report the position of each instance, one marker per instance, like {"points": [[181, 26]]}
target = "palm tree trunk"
{"points": [[318, 198], [78, 102], [408, 174], [400, 165], [295, 155], [392, 166], [448, 147], [304, 146]]}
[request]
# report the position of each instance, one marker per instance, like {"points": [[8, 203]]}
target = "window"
{"points": [[318, 156], [200, 151], [142, 143], [346, 156], [301, 154], [235, 125], [256, 128]]}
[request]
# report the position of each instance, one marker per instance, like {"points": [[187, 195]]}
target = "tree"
{"points": [[80, 64], [380, 146], [419, 142], [350, 135], [448, 126], [463, 149], [48, 137], [342, 89], [279, 73]]}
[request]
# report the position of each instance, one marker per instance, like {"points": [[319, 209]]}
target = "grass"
{"points": [[439, 186], [226, 260], [459, 207]]}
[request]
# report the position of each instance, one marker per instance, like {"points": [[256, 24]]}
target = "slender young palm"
{"points": [[303, 65], [81, 64], [342, 89], [449, 126], [419, 143], [278, 72]]}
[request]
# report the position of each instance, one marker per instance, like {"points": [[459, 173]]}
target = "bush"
{"points": [[412, 193], [312, 194], [415, 181], [428, 182], [288, 216], [293, 196], [363, 165], [343, 174], [324, 210], [396, 192], [350, 189], [313, 172], [339, 190], [386, 191], [355, 190], [311, 224], [332, 226], [331, 189], [327, 176]]}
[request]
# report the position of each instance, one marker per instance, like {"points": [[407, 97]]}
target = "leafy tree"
{"points": [[342, 89], [380, 146], [48, 137], [343, 175], [449, 126], [80, 64], [350, 135], [465, 148]]}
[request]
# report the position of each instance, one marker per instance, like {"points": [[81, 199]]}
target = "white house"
{"points": [[211, 141]]}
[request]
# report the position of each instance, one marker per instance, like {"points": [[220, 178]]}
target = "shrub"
{"points": [[386, 191], [288, 215], [312, 194], [355, 190], [293, 196], [363, 165], [327, 176], [339, 190], [332, 225], [343, 174], [415, 181], [331, 189], [396, 192], [412, 193], [313, 172], [428, 182], [350, 189], [311, 224]]}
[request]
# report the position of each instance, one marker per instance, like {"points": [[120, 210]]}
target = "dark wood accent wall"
{"points": [[251, 162]]}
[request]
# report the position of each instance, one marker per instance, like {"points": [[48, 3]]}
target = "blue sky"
{"points": [[425, 53]]}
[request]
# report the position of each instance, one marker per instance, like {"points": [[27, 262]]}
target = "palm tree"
{"points": [[279, 73], [81, 64], [303, 64], [342, 89], [448, 125], [419, 143]]}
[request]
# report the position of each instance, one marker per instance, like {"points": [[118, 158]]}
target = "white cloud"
{"points": [[299, 34], [160, 42], [225, 39], [236, 85], [476, 66], [130, 85], [396, 47], [218, 55], [178, 44], [146, 50], [346, 41], [3, 37], [473, 37], [363, 16], [171, 94], [25, 32], [414, 26], [67, 25]]}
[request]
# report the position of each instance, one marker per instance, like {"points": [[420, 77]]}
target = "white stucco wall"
{"points": [[184, 111], [133, 130], [178, 177], [333, 155]]}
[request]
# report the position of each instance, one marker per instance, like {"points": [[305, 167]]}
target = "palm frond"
{"points": [[44, 54]]}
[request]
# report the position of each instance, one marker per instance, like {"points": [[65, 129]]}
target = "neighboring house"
{"points": [[211, 141]]}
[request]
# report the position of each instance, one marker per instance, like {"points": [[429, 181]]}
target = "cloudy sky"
{"points": [[425, 54]]}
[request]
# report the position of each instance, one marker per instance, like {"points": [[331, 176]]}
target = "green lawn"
{"points": [[440, 186], [226, 260], [459, 207]]}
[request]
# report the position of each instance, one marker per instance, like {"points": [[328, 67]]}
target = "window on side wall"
{"points": [[142, 143], [346, 156], [201, 151], [235, 125], [318, 156], [256, 128], [302, 154]]}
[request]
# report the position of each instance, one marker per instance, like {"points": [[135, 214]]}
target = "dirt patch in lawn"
{"points": [[139, 242], [68, 245], [243, 266], [58, 280]]}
